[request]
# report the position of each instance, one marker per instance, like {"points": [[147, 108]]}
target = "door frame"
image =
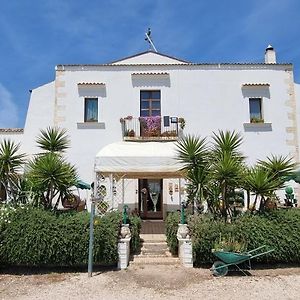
{"points": [[144, 197]]}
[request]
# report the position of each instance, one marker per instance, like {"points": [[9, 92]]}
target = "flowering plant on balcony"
{"points": [[151, 125], [122, 120], [181, 121]]}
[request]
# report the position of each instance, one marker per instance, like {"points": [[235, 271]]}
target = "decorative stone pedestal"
{"points": [[185, 249], [124, 247]]}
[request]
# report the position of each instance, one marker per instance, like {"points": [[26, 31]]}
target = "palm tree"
{"points": [[53, 139], [194, 156], [227, 172], [10, 165], [280, 166], [227, 142], [262, 183], [192, 151], [227, 165], [212, 172], [51, 176]]}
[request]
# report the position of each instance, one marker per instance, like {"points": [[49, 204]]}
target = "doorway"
{"points": [[150, 198]]}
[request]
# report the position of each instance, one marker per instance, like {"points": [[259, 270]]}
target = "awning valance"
{"points": [[139, 159]]}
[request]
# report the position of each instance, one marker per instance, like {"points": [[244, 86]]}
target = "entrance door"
{"points": [[150, 198]]}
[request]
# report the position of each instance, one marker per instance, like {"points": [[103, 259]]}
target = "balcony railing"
{"points": [[152, 128]]}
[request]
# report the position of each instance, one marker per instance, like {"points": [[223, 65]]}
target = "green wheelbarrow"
{"points": [[227, 259]]}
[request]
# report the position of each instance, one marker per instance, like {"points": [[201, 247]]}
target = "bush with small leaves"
{"points": [[36, 237]]}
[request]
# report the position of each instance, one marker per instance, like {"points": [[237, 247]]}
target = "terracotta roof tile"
{"points": [[11, 130], [90, 83], [255, 84], [151, 74]]}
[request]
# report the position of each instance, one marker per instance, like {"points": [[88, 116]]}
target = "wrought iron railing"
{"points": [[152, 128]]}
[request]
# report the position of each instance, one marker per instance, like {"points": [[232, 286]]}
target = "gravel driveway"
{"points": [[153, 282]]}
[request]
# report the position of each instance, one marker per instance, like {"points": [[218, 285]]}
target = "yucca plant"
{"points": [[262, 183], [226, 165], [193, 154], [281, 167], [51, 176], [11, 162], [192, 151], [227, 142], [53, 139]]}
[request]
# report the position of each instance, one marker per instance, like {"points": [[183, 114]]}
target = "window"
{"points": [[91, 110], [255, 108], [150, 103]]}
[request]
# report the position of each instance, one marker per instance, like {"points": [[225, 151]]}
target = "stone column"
{"points": [[185, 249], [124, 247]]}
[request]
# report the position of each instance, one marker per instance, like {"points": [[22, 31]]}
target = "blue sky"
{"points": [[36, 35]]}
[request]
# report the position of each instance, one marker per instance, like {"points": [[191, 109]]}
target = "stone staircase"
{"points": [[154, 251]]}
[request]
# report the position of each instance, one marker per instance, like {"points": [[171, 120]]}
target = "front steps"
{"points": [[154, 251]]}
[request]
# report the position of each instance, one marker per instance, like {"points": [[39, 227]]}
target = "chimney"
{"points": [[270, 55]]}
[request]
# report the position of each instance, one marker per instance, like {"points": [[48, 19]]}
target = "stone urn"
{"points": [[183, 231], [125, 231]]}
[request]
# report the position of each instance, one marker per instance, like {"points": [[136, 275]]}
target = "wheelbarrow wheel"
{"points": [[219, 269]]}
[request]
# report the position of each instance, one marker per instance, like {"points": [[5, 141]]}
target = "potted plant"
{"points": [[256, 120], [230, 244], [181, 121], [130, 133]]}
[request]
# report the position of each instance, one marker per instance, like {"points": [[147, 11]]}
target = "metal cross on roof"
{"points": [[149, 39]]}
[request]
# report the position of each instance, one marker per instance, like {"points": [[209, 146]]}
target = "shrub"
{"points": [[172, 222], [135, 228], [278, 230], [38, 237]]}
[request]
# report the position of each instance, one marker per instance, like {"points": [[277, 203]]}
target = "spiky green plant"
{"points": [[192, 151], [227, 165], [11, 162], [53, 139], [279, 166], [262, 183], [51, 176], [194, 156], [227, 142]]}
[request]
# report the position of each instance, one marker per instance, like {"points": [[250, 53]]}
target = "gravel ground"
{"points": [[153, 282]]}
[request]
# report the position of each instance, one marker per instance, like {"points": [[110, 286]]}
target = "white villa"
{"points": [[124, 117]]}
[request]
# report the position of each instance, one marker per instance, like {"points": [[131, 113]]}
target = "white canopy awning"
{"points": [[138, 159]]}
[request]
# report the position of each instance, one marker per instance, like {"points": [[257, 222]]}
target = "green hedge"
{"points": [[172, 222], [135, 228], [34, 236], [279, 230]]}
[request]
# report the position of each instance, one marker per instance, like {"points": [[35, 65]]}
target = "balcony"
{"points": [[155, 128]]}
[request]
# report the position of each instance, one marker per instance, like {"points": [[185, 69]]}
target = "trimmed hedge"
{"points": [[37, 237], [135, 228], [279, 230], [172, 222]]}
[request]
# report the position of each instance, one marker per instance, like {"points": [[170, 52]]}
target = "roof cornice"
{"points": [[83, 67]]}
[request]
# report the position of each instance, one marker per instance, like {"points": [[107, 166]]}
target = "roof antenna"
{"points": [[149, 39]]}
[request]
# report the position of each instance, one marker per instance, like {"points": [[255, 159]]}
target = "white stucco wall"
{"points": [[297, 96], [149, 58], [210, 97], [207, 97], [39, 115], [16, 137]]}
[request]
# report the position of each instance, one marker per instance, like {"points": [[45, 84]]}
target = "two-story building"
{"points": [[124, 117]]}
